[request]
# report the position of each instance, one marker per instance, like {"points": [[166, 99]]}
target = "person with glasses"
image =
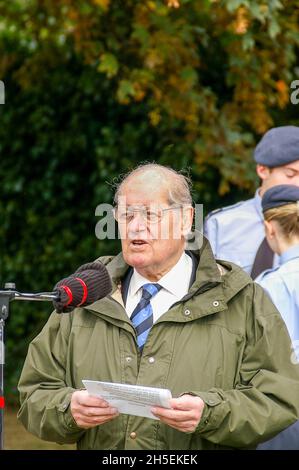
{"points": [[176, 319]]}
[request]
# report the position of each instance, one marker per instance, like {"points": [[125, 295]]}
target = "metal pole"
{"points": [[41, 296], [6, 296], [1, 384]]}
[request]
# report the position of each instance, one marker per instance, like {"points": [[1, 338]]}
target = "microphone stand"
{"points": [[6, 296]]}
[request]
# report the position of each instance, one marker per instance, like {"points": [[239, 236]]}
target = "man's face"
{"points": [[286, 174], [152, 247]]}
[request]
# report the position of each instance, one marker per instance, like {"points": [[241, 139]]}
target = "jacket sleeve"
{"points": [[44, 392], [265, 398]]}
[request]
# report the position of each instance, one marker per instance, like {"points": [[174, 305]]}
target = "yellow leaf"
{"points": [[151, 5], [102, 3], [155, 117], [173, 3], [241, 23]]}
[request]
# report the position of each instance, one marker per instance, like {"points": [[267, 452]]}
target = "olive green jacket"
{"points": [[224, 341]]}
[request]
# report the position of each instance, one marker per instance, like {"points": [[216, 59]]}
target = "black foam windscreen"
{"points": [[89, 283]]}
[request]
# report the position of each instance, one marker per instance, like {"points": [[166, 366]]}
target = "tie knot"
{"points": [[149, 290]]}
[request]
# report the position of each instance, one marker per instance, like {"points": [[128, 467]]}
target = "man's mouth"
{"points": [[138, 242]]}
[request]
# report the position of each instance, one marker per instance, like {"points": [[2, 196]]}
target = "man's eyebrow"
{"points": [[139, 207], [292, 169]]}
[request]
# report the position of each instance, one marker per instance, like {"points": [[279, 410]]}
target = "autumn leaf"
{"points": [[108, 64], [104, 4]]}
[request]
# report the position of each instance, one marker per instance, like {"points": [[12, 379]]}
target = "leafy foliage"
{"points": [[95, 87]]}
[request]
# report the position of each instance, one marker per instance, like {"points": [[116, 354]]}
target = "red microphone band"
{"points": [[2, 403], [69, 293], [85, 290]]}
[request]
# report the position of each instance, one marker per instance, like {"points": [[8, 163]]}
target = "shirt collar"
{"points": [[171, 281], [258, 204], [291, 253]]}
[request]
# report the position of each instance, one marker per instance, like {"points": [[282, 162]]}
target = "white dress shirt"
{"points": [[175, 285]]}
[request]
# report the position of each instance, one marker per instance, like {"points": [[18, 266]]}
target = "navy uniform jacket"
{"points": [[236, 232]]}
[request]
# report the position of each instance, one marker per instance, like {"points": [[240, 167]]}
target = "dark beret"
{"points": [[279, 146], [280, 195]]}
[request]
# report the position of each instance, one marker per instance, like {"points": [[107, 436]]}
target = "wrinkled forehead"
{"points": [[144, 192]]}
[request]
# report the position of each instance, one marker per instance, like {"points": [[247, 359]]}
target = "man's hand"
{"points": [[89, 411], [185, 413]]}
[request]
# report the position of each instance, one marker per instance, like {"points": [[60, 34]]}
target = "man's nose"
{"points": [[137, 224]]}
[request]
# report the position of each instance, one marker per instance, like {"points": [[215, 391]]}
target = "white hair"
{"points": [[177, 184]]}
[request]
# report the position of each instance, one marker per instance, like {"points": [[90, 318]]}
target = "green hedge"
{"points": [[85, 106]]}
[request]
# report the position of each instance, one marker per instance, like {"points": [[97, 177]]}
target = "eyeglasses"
{"points": [[126, 215]]}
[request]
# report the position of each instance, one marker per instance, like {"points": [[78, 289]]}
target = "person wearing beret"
{"points": [[236, 233], [280, 205]]}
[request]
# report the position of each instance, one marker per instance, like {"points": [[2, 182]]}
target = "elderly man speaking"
{"points": [[176, 319]]}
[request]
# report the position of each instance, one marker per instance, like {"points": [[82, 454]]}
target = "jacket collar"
{"points": [[257, 200], [216, 287], [290, 254]]}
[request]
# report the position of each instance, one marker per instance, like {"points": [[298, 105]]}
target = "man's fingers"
{"points": [[186, 402], [85, 422], [176, 415], [98, 419], [89, 411], [92, 401], [184, 415], [179, 403], [98, 412], [103, 416], [98, 402], [81, 397]]}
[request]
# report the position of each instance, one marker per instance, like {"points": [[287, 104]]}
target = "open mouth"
{"points": [[138, 242]]}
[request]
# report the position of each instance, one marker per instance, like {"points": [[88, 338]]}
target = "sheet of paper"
{"points": [[130, 399]]}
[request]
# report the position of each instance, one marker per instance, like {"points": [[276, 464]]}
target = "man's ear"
{"points": [[187, 219], [263, 171]]}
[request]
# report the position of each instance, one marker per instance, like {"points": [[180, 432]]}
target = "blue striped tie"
{"points": [[142, 316]]}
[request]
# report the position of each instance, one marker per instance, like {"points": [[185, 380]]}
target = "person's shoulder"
{"points": [[268, 275], [226, 211], [105, 259], [235, 275]]}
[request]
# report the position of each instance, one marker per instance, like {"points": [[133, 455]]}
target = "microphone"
{"points": [[89, 283]]}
